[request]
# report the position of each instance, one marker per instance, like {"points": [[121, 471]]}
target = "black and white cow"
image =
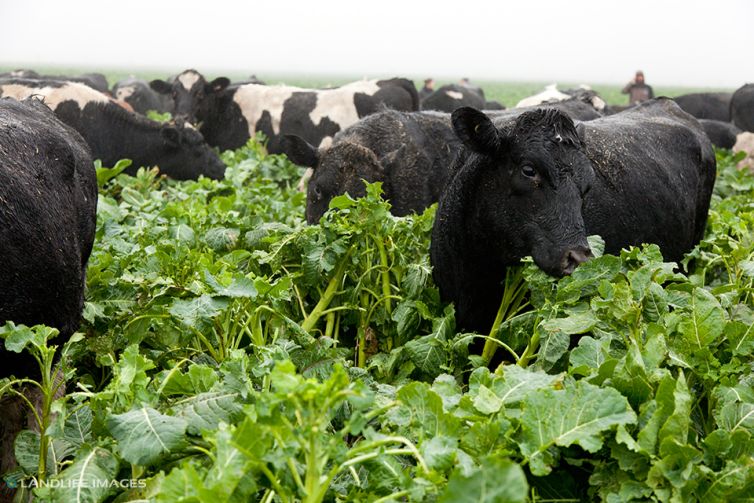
{"points": [[537, 185], [742, 108], [113, 133], [48, 204], [551, 94], [230, 115], [409, 152], [712, 106], [21, 73], [451, 96], [142, 98]]}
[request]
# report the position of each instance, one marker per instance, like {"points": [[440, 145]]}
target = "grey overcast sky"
{"points": [[692, 43]]}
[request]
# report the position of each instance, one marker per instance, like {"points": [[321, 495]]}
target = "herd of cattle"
{"points": [[534, 180]]}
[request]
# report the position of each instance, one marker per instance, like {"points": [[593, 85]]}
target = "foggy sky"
{"points": [[691, 43]]}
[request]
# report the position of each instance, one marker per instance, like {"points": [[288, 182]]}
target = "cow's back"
{"points": [[47, 220], [655, 157], [315, 115], [742, 108], [711, 106]]}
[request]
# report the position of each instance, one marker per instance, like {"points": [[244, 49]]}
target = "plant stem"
{"points": [[514, 290], [531, 348], [362, 331], [330, 323], [332, 288], [385, 275]]}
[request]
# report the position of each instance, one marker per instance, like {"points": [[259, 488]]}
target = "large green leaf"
{"points": [[497, 480], [91, 478], [580, 414], [206, 410], [144, 435]]}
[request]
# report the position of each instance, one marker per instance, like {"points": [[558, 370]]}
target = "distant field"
{"points": [[508, 93]]}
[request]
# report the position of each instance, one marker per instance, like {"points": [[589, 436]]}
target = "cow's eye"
{"points": [[528, 171]]}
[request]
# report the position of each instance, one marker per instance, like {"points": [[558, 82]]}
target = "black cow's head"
{"points": [[184, 155], [533, 176], [340, 169], [189, 91]]}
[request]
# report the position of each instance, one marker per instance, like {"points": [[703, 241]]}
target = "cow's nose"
{"points": [[573, 257]]}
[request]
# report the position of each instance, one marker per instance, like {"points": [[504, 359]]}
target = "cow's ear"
{"points": [[299, 151], [161, 86], [218, 84], [391, 161], [476, 130], [171, 135]]}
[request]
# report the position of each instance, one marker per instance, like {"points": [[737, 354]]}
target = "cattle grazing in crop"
{"points": [[48, 202], [141, 97], [712, 106], [408, 152], [230, 115], [721, 134], [114, 133], [537, 185], [449, 97], [742, 108]]}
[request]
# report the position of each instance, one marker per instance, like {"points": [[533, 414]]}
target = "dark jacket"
{"points": [[638, 92]]}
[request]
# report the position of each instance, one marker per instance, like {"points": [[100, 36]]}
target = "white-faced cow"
{"points": [[114, 133], [48, 204], [538, 185], [229, 115], [745, 143], [409, 152]]}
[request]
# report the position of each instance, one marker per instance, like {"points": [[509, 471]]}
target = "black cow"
{"points": [[574, 108], [141, 97], [742, 108], [537, 185], [94, 80], [493, 105], [48, 203], [721, 134], [21, 73], [408, 152], [588, 96], [616, 109], [114, 133], [713, 106], [449, 97], [230, 115]]}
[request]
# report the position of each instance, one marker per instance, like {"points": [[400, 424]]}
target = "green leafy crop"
{"points": [[229, 352]]}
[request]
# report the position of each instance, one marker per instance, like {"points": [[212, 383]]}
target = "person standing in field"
{"points": [[638, 90], [429, 88]]}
